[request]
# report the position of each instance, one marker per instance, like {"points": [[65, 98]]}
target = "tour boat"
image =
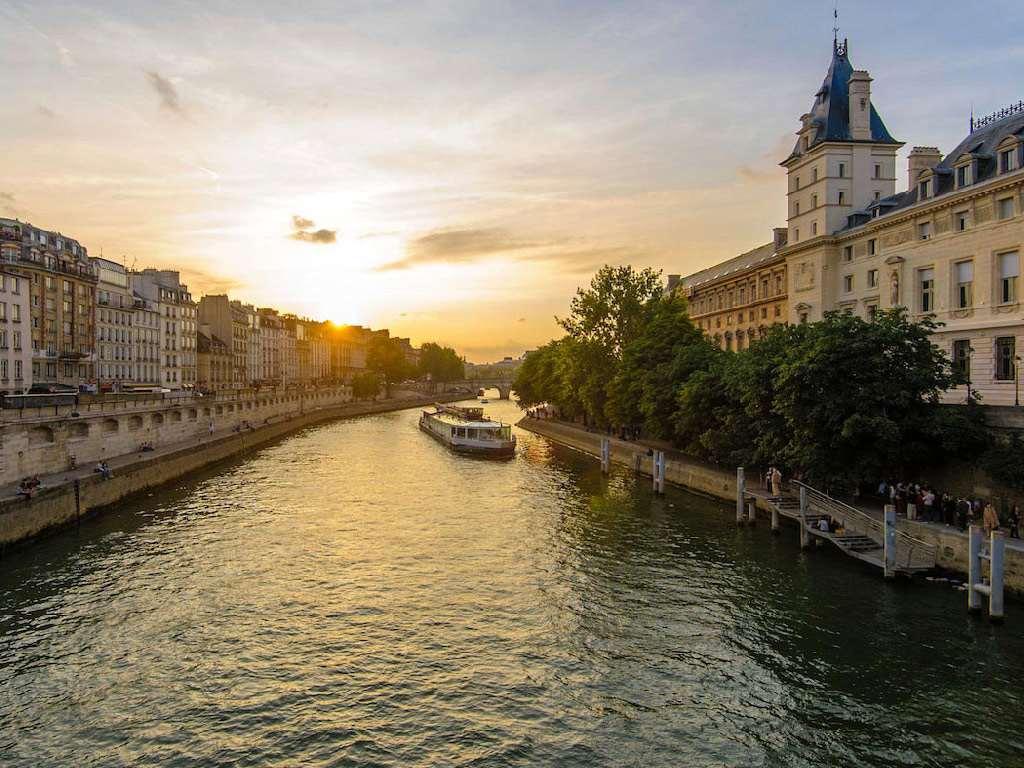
{"points": [[466, 430]]}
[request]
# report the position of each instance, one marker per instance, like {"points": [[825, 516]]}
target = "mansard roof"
{"points": [[830, 113], [735, 265], [979, 146]]}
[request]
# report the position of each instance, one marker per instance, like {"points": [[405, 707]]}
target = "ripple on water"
{"points": [[356, 595]]}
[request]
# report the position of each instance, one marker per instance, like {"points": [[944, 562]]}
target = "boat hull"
{"points": [[504, 450]]}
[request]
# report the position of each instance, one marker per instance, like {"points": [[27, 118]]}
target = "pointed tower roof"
{"points": [[830, 114]]}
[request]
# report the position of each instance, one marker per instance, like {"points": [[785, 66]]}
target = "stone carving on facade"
{"points": [[805, 276], [894, 288]]}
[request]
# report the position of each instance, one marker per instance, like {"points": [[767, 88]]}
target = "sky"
{"points": [[452, 170]]}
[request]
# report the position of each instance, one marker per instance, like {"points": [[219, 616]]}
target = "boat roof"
{"points": [[459, 422]]}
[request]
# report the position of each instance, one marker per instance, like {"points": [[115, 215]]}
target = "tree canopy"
{"points": [[386, 357], [441, 363]]}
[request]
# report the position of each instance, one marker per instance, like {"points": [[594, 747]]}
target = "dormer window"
{"points": [[924, 189], [963, 176], [1006, 161]]}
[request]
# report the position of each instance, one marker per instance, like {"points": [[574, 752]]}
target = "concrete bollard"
{"points": [[752, 512], [911, 511], [606, 455], [775, 519], [805, 535], [995, 580], [973, 568], [741, 490], [889, 541]]}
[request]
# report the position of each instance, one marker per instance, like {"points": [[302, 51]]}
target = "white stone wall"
{"points": [[41, 441]]}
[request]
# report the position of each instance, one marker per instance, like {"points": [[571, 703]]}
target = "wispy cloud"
{"points": [[452, 246], [302, 230], [45, 112], [167, 92]]}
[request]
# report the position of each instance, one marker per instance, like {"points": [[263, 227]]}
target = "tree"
{"points": [[386, 357], [365, 385], [441, 363], [666, 353], [538, 380]]}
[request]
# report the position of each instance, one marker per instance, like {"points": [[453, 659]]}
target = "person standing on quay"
{"points": [[776, 483], [1015, 521], [990, 520]]}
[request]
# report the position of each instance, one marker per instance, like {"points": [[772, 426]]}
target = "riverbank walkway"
{"points": [[123, 461]]}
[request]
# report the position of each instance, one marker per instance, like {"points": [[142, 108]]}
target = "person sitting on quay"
{"points": [[28, 486]]}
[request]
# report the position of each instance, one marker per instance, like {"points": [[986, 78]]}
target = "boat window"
{"points": [[473, 432]]}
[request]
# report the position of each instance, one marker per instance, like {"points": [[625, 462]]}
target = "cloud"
{"points": [[756, 176], [451, 246], [303, 231], [167, 92], [521, 320], [46, 112]]}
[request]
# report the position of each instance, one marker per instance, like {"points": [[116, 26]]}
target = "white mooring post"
{"points": [[751, 511], [606, 455], [911, 511], [658, 471], [973, 568], [805, 535], [741, 492], [889, 541]]}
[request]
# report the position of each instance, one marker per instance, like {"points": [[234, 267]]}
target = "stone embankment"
{"points": [[181, 440], [951, 544]]}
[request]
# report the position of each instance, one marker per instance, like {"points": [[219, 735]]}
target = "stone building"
{"points": [[178, 324], [735, 301], [949, 246], [214, 362], [15, 339], [115, 326], [61, 286], [271, 342], [146, 357]]}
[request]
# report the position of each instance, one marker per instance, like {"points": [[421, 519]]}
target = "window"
{"points": [[872, 311], [847, 283], [962, 357], [796, 182], [1006, 161], [1005, 208], [814, 174], [796, 208], [872, 278], [871, 247], [963, 220], [1009, 269], [924, 230], [842, 170], [803, 318], [924, 189], [764, 288], [764, 313], [926, 281], [848, 253], [878, 171], [778, 311], [778, 284], [963, 176], [814, 228], [964, 284], [17, 370], [842, 197], [814, 201], [1006, 351], [796, 235], [17, 339]]}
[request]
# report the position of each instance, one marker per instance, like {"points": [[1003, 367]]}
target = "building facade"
{"points": [[146, 357], [115, 326], [214, 362], [178, 324], [948, 247], [15, 339], [61, 286]]}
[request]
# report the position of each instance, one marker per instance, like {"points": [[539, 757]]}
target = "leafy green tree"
{"points": [[365, 385], [666, 353], [386, 357], [442, 364], [537, 381]]}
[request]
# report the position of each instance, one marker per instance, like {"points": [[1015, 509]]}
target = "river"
{"points": [[357, 595]]}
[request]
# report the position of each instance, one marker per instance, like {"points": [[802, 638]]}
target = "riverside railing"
{"points": [[911, 552]]}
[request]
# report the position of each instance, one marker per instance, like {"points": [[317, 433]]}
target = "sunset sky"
{"points": [[451, 170]]}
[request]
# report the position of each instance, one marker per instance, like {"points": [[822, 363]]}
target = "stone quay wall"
{"points": [[71, 498], [44, 440], [710, 480]]}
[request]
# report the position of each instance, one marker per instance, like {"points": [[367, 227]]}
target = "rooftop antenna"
{"points": [[835, 25]]}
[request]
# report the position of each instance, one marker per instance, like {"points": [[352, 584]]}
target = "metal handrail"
{"points": [[910, 550]]}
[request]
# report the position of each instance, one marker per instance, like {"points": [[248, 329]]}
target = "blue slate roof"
{"points": [[981, 143], [831, 110]]}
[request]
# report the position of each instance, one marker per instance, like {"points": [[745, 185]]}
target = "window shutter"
{"points": [[965, 272], [1008, 265]]}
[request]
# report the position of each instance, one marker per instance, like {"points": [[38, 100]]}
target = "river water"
{"points": [[357, 595]]}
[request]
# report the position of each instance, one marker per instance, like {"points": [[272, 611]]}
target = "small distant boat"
{"points": [[466, 430], [485, 401]]}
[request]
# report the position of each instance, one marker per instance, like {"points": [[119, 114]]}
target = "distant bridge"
{"points": [[503, 385]]}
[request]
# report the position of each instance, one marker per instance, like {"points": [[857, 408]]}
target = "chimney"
{"points": [[780, 237], [860, 105], [673, 282], [919, 159]]}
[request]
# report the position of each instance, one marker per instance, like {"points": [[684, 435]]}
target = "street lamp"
{"points": [[970, 351], [1016, 380]]}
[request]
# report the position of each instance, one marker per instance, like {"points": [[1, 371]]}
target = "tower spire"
{"points": [[835, 25]]}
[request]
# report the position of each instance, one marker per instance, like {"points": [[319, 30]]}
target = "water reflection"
{"points": [[357, 595]]}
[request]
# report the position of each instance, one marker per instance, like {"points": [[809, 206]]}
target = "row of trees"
{"points": [[842, 400], [387, 365]]}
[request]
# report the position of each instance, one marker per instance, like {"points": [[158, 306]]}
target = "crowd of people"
{"points": [[959, 511]]}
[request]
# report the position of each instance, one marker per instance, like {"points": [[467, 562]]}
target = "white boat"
{"points": [[466, 430], [485, 401]]}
